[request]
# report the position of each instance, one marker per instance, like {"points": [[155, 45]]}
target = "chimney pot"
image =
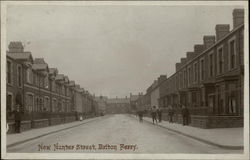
{"points": [[190, 55], [198, 48], [221, 30], [183, 60], [16, 47], [238, 17], [208, 41], [177, 66]]}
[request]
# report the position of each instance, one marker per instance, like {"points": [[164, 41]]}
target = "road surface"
{"points": [[117, 134]]}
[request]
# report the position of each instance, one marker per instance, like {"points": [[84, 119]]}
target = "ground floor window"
{"points": [[54, 105], [41, 104], [59, 107], [9, 104], [232, 105], [46, 104], [29, 102], [194, 99]]}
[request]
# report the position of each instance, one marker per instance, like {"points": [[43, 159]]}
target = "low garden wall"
{"points": [[25, 125], [39, 123], [202, 121], [69, 119], [216, 121], [55, 121], [45, 122]]}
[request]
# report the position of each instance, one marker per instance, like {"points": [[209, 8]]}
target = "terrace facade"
{"points": [[45, 96], [210, 79]]}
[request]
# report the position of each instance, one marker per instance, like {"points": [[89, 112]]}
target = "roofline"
{"points": [[205, 51]]}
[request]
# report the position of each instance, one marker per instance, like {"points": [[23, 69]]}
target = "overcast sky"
{"points": [[113, 50]]}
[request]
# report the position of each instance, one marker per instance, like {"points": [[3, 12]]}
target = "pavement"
{"points": [[228, 138], [118, 133], [18, 138]]}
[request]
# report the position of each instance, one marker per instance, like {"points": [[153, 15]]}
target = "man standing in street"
{"points": [[159, 113], [18, 118], [185, 115], [153, 114]]}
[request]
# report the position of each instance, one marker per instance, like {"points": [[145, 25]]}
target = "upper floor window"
{"points": [[190, 75], [38, 79], [220, 60], [180, 80], [176, 81], [34, 79], [41, 81], [46, 82], [211, 64], [29, 75], [19, 76], [196, 72], [184, 78], [66, 91], [62, 90], [232, 54], [202, 71], [241, 47], [53, 85], [9, 72]]}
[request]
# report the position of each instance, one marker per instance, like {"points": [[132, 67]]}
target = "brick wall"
{"points": [[216, 121], [55, 121], [69, 119], [39, 123], [25, 125]]}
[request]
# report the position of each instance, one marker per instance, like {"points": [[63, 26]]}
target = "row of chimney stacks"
{"points": [[209, 40]]}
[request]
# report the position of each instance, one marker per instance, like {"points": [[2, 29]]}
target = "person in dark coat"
{"points": [[170, 114], [18, 117], [153, 114], [159, 113], [140, 115], [185, 115]]}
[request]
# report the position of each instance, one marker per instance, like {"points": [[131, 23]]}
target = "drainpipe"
{"points": [[23, 85]]}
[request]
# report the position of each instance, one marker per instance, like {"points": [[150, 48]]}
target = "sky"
{"points": [[113, 50]]}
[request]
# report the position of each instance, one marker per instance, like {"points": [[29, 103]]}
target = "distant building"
{"points": [[102, 104], [154, 92], [133, 101], [118, 105]]}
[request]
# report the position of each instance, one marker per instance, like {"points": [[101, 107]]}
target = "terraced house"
{"points": [[45, 96], [210, 79]]}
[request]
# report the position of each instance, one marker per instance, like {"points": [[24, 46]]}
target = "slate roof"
{"points": [[39, 66], [39, 61], [72, 83], [59, 77], [20, 56], [16, 44], [66, 78], [53, 70]]}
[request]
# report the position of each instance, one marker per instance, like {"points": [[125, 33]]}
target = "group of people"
{"points": [[157, 113]]}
